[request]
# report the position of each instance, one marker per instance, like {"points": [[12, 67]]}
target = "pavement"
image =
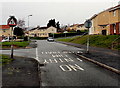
{"points": [[106, 58], [22, 72]]}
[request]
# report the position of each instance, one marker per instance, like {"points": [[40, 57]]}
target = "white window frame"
{"points": [[114, 13], [114, 28]]}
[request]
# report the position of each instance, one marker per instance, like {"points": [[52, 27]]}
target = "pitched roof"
{"points": [[43, 27], [114, 8], [4, 27]]}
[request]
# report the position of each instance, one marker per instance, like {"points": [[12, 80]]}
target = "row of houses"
{"points": [[5, 30], [76, 27], [41, 31], [106, 22]]}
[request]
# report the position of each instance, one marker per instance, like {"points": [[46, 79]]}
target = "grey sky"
{"points": [[64, 12]]}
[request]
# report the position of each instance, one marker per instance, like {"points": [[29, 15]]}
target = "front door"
{"points": [[104, 32]]}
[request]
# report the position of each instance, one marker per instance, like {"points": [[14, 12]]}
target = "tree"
{"points": [[21, 23], [51, 23], [18, 31], [58, 25]]}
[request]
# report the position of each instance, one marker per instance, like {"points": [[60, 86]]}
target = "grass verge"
{"points": [[15, 44], [96, 40], [5, 59]]}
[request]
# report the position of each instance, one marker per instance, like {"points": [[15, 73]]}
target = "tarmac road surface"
{"points": [[63, 68]]}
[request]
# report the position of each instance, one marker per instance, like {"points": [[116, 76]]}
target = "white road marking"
{"points": [[60, 60], [53, 55], [52, 61], [79, 59], [37, 54], [65, 66], [68, 60], [46, 52], [42, 52], [45, 61], [75, 67], [69, 67]]}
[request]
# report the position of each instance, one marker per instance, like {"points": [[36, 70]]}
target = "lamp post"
{"points": [[28, 25], [28, 20]]}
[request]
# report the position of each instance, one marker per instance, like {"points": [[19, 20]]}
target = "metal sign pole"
{"points": [[12, 42], [88, 25], [12, 22], [88, 42]]}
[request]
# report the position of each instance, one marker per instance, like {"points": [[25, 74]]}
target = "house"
{"points": [[76, 27], [106, 22], [5, 30], [115, 20], [42, 31]]}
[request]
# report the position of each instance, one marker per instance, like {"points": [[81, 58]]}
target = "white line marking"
{"points": [[45, 61], [52, 61], [68, 60], [37, 54], [65, 66], [75, 67], [42, 52], [79, 59], [60, 60], [53, 55]]}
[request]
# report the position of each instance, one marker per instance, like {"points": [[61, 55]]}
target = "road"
{"points": [[63, 68]]}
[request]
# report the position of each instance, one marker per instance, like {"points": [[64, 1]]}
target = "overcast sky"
{"points": [[64, 11]]}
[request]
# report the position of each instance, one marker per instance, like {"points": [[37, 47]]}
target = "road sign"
{"points": [[88, 23], [12, 21]]}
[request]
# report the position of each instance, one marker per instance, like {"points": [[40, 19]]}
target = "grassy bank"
{"points": [[96, 40], [15, 44], [4, 59]]}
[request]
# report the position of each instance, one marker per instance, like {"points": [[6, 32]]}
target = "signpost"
{"points": [[12, 22], [88, 25]]}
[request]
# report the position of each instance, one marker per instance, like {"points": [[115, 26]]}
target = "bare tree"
{"points": [[21, 23]]}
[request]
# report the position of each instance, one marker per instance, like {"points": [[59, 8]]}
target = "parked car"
{"points": [[7, 39], [50, 39]]}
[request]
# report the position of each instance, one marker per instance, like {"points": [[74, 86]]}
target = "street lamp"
{"points": [[28, 20]]}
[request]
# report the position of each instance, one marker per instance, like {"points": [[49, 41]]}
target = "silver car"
{"points": [[50, 39]]}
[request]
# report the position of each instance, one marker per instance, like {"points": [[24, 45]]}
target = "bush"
{"points": [[57, 35], [38, 38]]}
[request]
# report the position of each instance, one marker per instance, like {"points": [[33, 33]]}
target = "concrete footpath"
{"points": [[107, 58], [21, 73]]}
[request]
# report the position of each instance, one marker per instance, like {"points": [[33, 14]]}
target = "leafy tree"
{"points": [[58, 25], [51, 23], [18, 31]]}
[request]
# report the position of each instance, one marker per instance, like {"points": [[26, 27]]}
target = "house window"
{"points": [[114, 13]]}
